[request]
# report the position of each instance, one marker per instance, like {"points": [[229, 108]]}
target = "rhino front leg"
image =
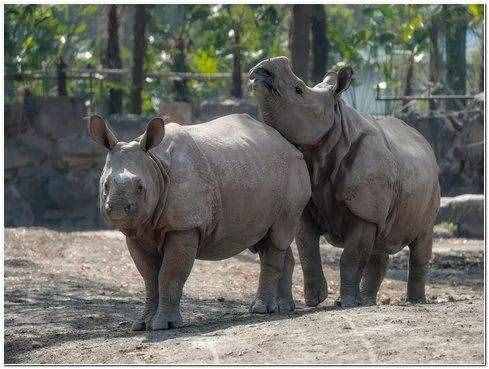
{"points": [[179, 254], [419, 257], [307, 241], [356, 253], [148, 266], [372, 277]]}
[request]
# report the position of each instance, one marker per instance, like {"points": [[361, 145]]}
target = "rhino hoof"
{"points": [[368, 300], [163, 321], [260, 306], [417, 300], [286, 305], [315, 294], [347, 302]]}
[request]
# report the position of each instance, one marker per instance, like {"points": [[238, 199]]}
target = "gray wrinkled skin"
{"points": [[374, 182], [207, 191]]}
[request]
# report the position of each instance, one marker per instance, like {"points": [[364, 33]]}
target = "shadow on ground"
{"points": [[75, 309]]}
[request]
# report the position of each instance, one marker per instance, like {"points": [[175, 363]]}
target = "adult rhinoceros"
{"points": [[374, 182], [207, 191]]}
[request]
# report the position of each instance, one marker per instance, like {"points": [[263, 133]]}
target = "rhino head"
{"points": [[300, 113], [131, 182]]}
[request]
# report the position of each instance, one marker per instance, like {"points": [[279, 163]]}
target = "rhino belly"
{"points": [[228, 247]]}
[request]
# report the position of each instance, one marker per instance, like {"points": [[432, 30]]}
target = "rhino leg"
{"points": [[285, 298], [179, 254], [354, 258], [148, 266], [272, 262], [307, 241], [419, 257], [372, 278]]}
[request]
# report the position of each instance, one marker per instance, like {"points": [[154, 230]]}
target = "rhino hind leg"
{"points": [[272, 261], [419, 258], [354, 259], [307, 241], [373, 276], [285, 298]]}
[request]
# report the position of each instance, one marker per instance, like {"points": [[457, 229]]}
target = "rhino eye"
{"points": [[298, 91], [139, 187]]}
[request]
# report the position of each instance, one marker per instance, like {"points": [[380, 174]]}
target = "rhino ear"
{"points": [[343, 79], [100, 132], [155, 131]]}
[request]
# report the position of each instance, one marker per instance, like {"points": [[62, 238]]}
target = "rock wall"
{"points": [[52, 167], [458, 142]]}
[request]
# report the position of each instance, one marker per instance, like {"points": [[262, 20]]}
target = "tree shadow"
{"points": [[463, 269], [215, 324], [45, 310]]}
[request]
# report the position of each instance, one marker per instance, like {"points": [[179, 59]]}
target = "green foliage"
{"points": [[199, 38], [205, 61]]}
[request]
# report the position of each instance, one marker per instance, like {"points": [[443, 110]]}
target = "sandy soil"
{"points": [[69, 297]]}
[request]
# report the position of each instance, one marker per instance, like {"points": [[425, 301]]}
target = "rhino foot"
{"points": [[162, 321], [138, 325], [264, 306], [417, 300], [347, 302], [368, 300], [315, 293], [286, 305]]}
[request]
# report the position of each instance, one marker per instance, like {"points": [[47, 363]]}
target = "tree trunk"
{"points": [[180, 65], [481, 70], [113, 59], [61, 77], [299, 43], [237, 91], [320, 44], [455, 42], [435, 59], [409, 88], [140, 20]]}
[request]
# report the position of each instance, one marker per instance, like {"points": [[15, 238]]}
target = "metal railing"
{"points": [[94, 81]]}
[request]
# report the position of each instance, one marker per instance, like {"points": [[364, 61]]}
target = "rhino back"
{"points": [[252, 163], [229, 179]]}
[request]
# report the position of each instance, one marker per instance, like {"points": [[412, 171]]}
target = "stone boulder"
{"points": [[466, 212], [18, 211]]}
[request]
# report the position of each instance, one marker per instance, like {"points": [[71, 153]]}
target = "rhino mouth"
{"points": [[261, 77]]}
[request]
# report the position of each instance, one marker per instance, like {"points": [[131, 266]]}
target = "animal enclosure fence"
{"points": [[93, 84]]}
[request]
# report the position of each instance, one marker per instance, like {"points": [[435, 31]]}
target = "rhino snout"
{"points": [[120, 211]]}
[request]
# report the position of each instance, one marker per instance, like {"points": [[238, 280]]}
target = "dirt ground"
{"points": [[70, 296]]}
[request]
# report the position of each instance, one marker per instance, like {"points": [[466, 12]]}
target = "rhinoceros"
{"points": [[206, 191], [374, 182]]}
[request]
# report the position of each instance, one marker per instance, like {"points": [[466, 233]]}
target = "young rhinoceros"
{"points": [[374, 182], [206, 191]]}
